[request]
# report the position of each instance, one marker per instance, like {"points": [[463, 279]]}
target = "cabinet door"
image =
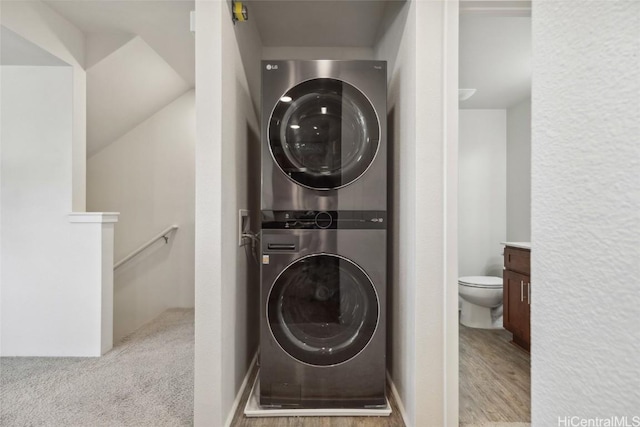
{"points": [[516, 307]]}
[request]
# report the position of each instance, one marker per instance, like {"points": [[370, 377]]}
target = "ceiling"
{"points": [[164, 25], [339, 23], [495, 52], [495, 58]]}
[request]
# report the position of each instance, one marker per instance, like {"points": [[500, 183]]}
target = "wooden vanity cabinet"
{"points": [[517, 295]]}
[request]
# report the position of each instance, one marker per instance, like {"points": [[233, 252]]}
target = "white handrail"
{"points": [[165, 234]]}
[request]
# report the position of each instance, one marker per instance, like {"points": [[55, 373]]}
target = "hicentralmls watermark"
{"points": [[575, 421]]}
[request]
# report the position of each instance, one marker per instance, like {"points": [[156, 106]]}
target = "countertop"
{"points": [[521, 245]]}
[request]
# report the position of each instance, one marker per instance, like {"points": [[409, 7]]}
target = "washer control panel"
{"points": [[320, 220]]}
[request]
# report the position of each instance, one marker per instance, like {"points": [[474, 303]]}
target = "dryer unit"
{"points": [[324, 129], [323, 309]]}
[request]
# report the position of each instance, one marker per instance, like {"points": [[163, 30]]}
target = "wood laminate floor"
{"points": [[239, 420], [495, 384], [495, 378]]}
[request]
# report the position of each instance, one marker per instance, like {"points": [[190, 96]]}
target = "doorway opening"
{"points": [[494, 210]]}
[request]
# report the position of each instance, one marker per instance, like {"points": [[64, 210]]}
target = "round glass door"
{"points": [[324, 134], [322, 310]]}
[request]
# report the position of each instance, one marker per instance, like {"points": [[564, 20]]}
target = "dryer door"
{"points": [[324, 134], [323, 310]]}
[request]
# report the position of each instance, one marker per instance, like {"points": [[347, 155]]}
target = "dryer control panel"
{"points": [[322, 220]]}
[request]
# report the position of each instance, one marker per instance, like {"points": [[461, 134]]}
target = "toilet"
{"points": [[481, 298]]}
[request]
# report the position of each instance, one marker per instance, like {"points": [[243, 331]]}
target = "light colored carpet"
{"points": [[146, 380]]}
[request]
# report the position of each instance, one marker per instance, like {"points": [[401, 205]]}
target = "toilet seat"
{"points": [[490, 282]]}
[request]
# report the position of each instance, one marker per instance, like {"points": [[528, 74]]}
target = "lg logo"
{"points": [[272, 67]]}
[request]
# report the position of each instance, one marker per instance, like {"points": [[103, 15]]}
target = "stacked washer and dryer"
{"points": [[324, 202]]}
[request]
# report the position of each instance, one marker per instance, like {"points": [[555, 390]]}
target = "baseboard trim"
{"points": [[396, 397], [243, 386]]}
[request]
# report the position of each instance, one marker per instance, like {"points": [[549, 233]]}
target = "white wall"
{"points": [[317, 52], [227, 147], [208, 386], [148, 175], [586, 202], [53, 276], [248, 37], [398, 40], [125, 88], [519, 172], [241, 148], [436, 301], [38, 23], [420, 45], [482, 191]]}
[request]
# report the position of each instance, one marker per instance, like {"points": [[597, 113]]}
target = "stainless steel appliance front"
{"points": [[323, 316], [324, 131]]}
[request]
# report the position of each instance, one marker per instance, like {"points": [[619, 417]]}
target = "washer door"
{"points": [[323, 310], [324, 134]]}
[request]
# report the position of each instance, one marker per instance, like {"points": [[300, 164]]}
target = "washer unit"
{"points": [[324, 130], [323, 309]]}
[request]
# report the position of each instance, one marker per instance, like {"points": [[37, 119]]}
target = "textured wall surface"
{"points": [[482, 192], [586, 210]]}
